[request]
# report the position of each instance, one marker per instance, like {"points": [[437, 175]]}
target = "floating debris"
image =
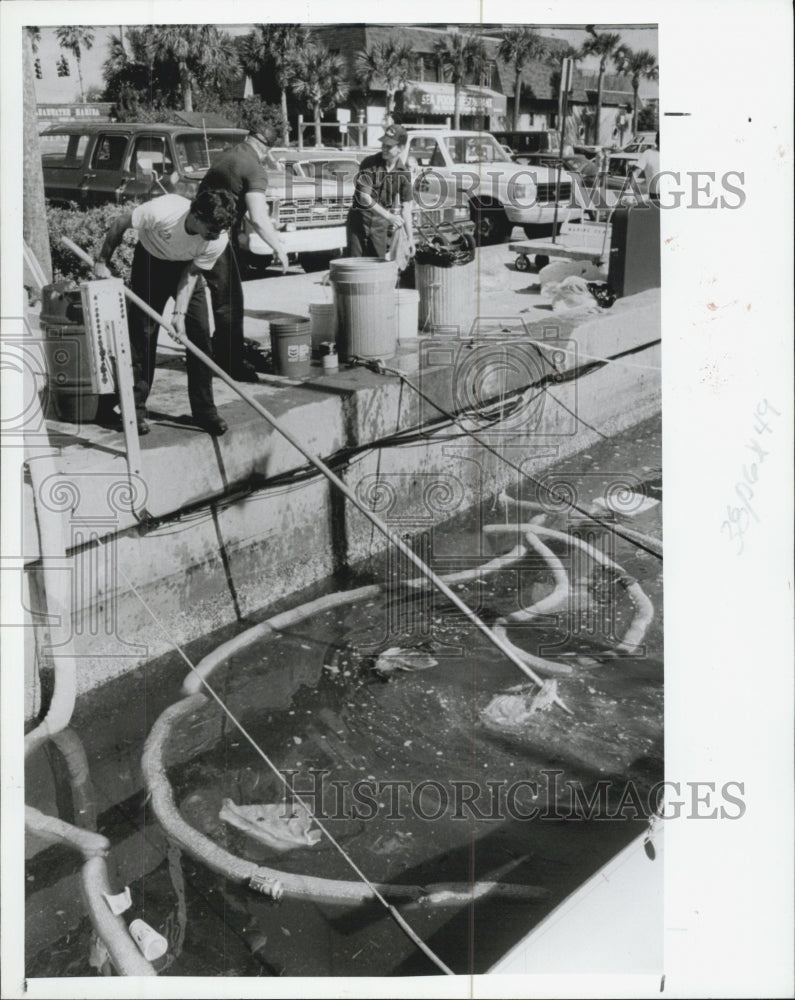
{"points": [[280, 827], [397, 658], [515, 710]]}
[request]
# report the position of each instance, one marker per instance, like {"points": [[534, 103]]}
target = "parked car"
{"points": [[119, 163], [499, 193], [529, 142], [640, 142], [573, 162]]}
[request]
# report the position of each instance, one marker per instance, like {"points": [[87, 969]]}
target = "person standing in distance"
{"points": [[648, 168], [240, 171], [382, 183], [178, 240]]}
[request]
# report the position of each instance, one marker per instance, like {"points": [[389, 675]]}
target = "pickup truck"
{"points": [[499, 193], [332, 173]]}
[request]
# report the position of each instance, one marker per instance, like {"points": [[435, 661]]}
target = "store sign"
{"points": [[63, 114], [439, 99]]}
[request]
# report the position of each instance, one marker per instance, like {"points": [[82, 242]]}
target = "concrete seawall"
{"points": [[234, 524]]}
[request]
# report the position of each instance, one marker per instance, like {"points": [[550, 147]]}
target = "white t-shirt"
{"points": [[649, 166], [161, 229]]}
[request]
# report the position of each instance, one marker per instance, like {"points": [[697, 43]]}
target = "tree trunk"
{"points": [[187, 91], [34, 213], [635, 108], [388, 109], [517, 93], [456, 111], [286, 132], [80, 80], [318, 130]]}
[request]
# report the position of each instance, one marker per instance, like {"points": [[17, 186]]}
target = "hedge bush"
{"points": [[87, 228]]}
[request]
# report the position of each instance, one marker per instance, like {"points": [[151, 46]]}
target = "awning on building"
{"points": [[439, 99]]}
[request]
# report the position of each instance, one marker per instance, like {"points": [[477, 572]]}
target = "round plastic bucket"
{"points": [[291, 347], [407, 309], [70, 383], [323, 317], [447, 296], [364, 291]]}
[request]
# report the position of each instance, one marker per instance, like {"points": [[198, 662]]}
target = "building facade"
{"points": [[486, 97]]}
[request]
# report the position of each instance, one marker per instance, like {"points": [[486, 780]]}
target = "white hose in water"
{"points": [[559, 597], [644, 609], [271, 881], [552, 602], [112, 930]]}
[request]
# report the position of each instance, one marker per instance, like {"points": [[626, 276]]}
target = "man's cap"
{"points": [[395, 135]]}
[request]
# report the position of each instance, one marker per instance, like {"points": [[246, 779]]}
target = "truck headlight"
{"points": [[523, 192]]}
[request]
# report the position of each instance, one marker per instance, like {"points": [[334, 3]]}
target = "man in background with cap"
{"points": [[239, 170], [383, 198]]}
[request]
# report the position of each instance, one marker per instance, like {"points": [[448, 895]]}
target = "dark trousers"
{"points": [[368, 234], [226, 291], [155, 281]]}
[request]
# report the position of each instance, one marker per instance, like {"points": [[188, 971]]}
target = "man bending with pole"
{"points": [[178, 240]]}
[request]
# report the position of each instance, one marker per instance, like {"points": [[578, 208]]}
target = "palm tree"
{"points": [[641, 65], [198, 51], [604, 45], [518, 47], [76, 40], [387, 63], [275, 46], [220, 65], [457, 54], [319, 81]]}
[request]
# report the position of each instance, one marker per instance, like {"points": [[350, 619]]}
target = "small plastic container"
{"points": [[151, 944], [328, 356]]}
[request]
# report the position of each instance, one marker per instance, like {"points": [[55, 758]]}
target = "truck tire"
{"points": [[491, 223]]}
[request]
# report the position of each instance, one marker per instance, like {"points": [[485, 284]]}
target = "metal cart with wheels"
{"points": [[576, 241]]}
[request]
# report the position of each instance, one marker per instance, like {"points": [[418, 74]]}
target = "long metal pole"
{"points": [[564, 83], [398, 542]]}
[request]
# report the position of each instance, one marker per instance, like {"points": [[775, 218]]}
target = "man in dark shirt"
{"points": [[240, 171], [383, 186]]}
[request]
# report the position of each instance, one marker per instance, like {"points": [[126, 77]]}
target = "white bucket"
{"points": [[407, 313], [323, 316]]}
